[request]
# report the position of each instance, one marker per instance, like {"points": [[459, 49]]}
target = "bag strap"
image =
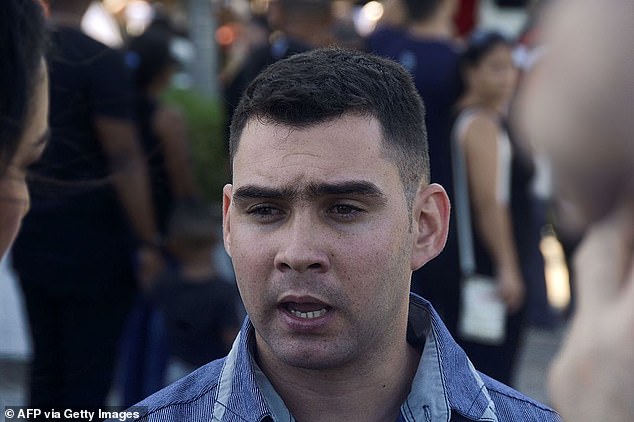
{"points": [[462, 207]]}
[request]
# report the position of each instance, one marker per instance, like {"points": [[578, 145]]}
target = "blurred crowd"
{"points": [[118, 258]]}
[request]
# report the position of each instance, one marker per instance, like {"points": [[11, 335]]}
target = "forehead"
{"points": [[347, 147]]}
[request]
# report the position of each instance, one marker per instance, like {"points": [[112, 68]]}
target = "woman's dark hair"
{"points": [[149, 54], [22, 44], [479, 45]]}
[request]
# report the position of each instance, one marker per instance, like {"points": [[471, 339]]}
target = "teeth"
{"points": [[307, 315]]}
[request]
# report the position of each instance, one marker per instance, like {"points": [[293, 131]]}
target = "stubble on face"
{"points": [[297, 238]]}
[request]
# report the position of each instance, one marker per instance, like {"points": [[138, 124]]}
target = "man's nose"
{"points": [[301, 247]]}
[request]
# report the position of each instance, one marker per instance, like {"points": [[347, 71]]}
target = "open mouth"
{"points": [[306, 310]]}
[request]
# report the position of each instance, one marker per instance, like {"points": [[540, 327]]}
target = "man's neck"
{"points": [[374, 392]]}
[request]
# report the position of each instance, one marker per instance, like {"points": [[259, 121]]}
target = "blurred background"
{"points": [[217, 44]]}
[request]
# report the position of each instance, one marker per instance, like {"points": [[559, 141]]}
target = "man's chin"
{"points": [[313, 357]]}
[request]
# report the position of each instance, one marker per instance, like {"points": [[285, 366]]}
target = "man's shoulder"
{"points": [[511, 405], [471, 394], [189, 398]]}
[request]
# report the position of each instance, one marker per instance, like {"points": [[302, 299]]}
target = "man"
{"points": [[577, 106], [329, 212]]}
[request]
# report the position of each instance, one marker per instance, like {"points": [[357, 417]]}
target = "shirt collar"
{"points": [[427, 400], [432, 397], [445, 380], [278, 410]]}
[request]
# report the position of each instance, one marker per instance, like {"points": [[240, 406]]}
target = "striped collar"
{"points": [[445, 382]]}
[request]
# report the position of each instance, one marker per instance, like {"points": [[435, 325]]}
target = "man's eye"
{"points": [[264, 212], [344, 211]]}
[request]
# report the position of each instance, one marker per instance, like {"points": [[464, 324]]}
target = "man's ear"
{"points": [[430, 225], [227, 191]]}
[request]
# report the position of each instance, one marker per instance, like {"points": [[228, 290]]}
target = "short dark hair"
{"points": [[420, 10], [23, 36], [324, 84]]}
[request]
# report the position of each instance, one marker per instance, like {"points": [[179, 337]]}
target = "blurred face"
{"points": [[319, 231], [14, 195], [495, 76]]}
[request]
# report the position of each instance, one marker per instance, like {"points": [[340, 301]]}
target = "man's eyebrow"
{"points": [[310, 191], [356, 188], [259, 192]]}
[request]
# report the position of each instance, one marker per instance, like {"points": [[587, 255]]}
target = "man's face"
{"points": [[318, 228]]}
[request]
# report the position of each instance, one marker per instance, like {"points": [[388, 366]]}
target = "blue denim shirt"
{"points": [[446, 387]]}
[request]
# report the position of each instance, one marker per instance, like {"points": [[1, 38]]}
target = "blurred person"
{"points": [[344, 29], [91, 211], [251, 34], [23, 109], [425, 47], [329, 211], [300, 25], [498, 177], [163, 135], [390, 27], [200, 308], [576, 107], [297, 26], [163, 129]]}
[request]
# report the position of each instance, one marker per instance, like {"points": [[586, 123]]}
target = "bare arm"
{"points": [[492, 215], [129, 174], [169, 125]]}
